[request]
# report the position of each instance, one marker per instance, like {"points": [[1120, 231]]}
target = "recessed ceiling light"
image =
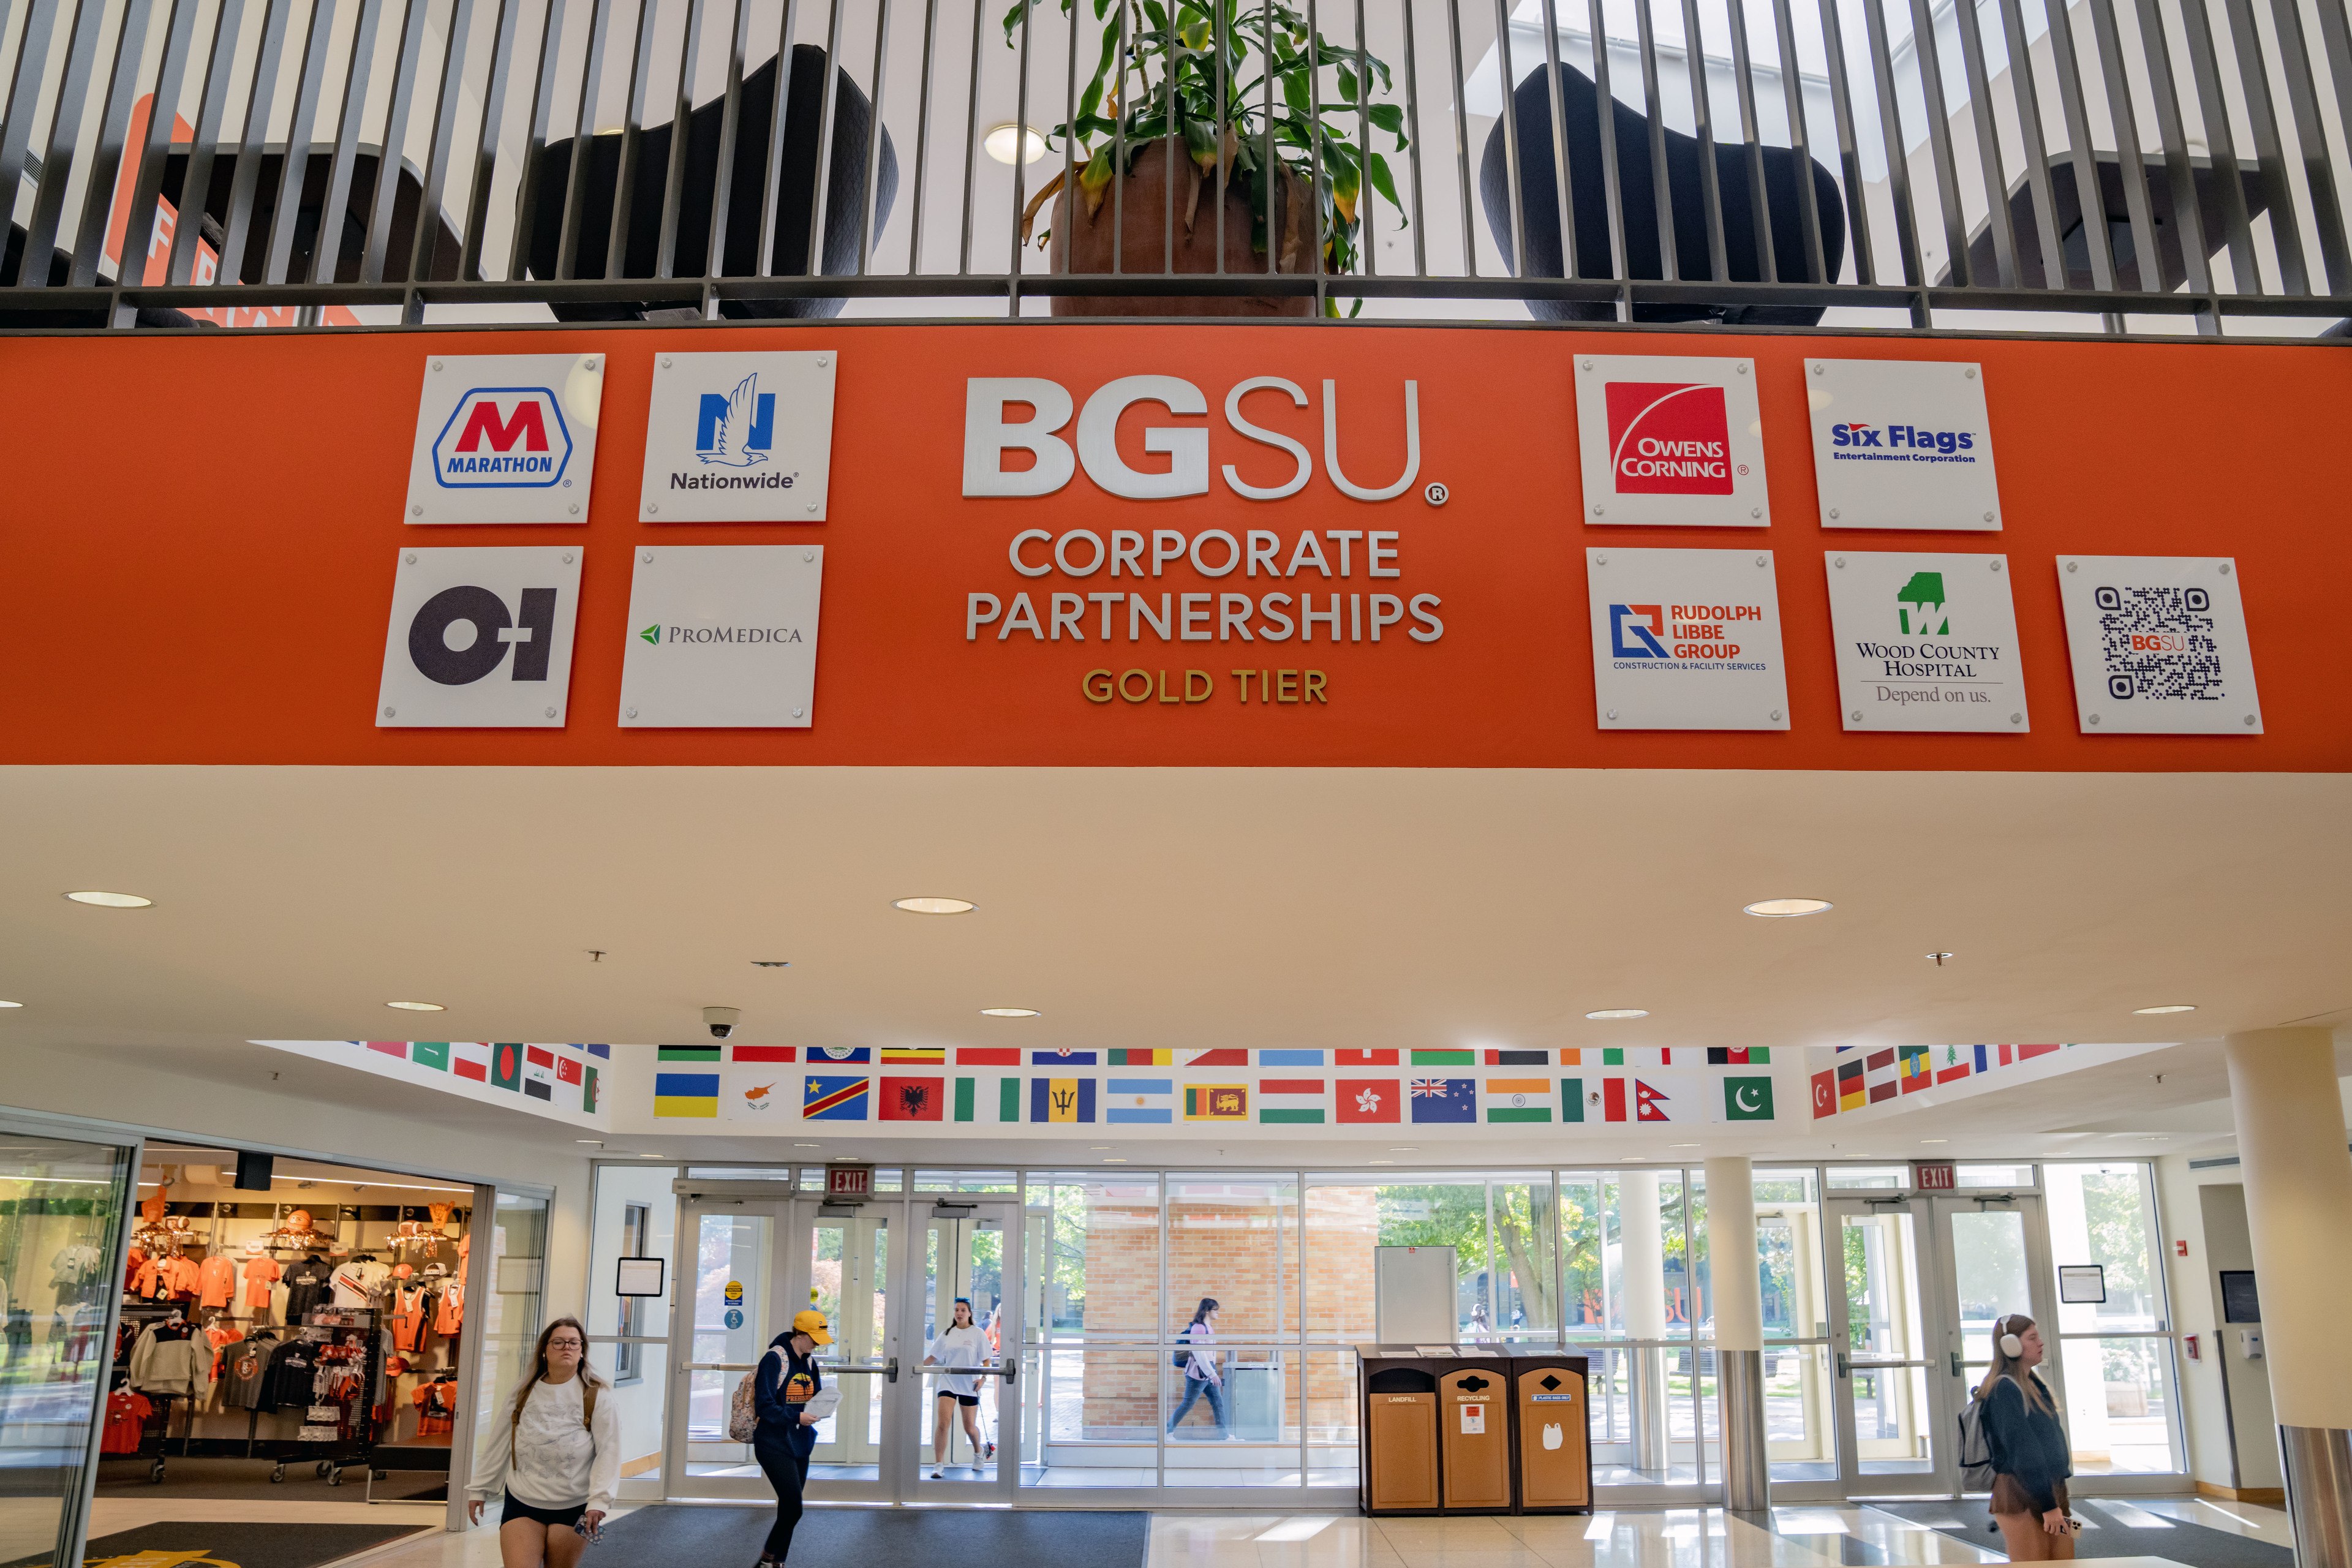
{"points": [[1937, 958], [2167, 1007], [647, 1154], [418, 1007], [1114, 1159], [1404, 1148], [1787, 909], [1682, 1145], [1002, 139], [1637, 1157], [111, 901], [1008, 1012], [1935, 1139], [1607, 1012], [1380, 1162], [11, 1004], [1099, 1148], [933, 906], [808, 1145]]}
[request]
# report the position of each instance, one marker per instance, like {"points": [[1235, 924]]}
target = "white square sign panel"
{"points": [[1901, 444], [738, 438], [1926, 642], [480, 639], [506, 438], [2158, 645], [722, 637], [1687, 639], [1671, 440]]}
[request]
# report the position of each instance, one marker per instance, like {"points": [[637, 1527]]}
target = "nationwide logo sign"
{"points": [[1901, 444], [1670, 440], [738, 438], [479, 638], [505, 438]]}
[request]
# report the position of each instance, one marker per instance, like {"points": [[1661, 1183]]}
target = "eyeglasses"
{"points": [[567, 1344]]}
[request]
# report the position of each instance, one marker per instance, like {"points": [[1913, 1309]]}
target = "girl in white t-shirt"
{"points": [[961, 1344]]}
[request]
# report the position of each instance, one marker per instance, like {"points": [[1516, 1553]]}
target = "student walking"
{"points": [[1202, 1375], [2028, 1447], [787, 1383], [961, 1343], [557, 1457]]}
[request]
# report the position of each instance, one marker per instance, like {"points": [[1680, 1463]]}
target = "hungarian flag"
{"points": [[1366, 1099], [470, 1058], [1290, 1099], [913, 1099], [506, 1065]]}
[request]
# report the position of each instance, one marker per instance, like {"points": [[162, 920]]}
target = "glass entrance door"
{"points": [[1916, 1286], [730, 1294], [964, 1251]]}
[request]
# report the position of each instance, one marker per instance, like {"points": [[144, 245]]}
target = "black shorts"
{"points": [[553, 1518], [973, 1399]]}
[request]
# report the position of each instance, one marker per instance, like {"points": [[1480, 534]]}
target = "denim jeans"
{"points": [[1194, 1389]]}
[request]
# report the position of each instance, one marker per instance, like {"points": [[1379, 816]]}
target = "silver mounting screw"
{"points": [[1741, 367], [812, 505], [2016, 717], [1819, 367], [665, 361], [550, 712], [1834, 511], [410, 559], [2225, 569], [1995, 563], [1857, 715], [821, 361], [2250, 720], [567, 558], [1596, 509], [651, 508], [2094, 717], [1838, 562], [1763, 561], [1587, 364], [1756, 511], [648, 557], [1601, 560], [1971, 373], [394, 712], [632, 713], [1776, 715], [1988, 517], [436, 365], [797, 712], [575, 508], [2070, 565], [1612, 715], [417, 509], [808, 554]]}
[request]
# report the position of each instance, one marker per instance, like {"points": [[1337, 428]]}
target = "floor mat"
{"points": [[242, 1544], [886, 1537], [2109, 1533], [247, 1480]]}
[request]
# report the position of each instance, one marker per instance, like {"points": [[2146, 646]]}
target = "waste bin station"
{"points": [[1472, 1429]]}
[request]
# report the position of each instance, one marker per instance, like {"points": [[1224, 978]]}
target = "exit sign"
{"points": [[849, 1181], [1934, 1175]]}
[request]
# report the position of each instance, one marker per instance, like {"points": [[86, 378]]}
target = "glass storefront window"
{"points": [[2114, 1360], [635, 1216], [61, 1209], [1092, 1413], [1868, 1178], [509, 1306]]}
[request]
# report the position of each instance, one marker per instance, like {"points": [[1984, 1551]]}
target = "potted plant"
{"points": [[1157, 94]]}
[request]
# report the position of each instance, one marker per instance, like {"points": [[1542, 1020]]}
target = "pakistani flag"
{"points": [[1748, 1099]]}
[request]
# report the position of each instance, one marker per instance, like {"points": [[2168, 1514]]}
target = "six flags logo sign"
{"points": [[1668, 439], [503, 438]]}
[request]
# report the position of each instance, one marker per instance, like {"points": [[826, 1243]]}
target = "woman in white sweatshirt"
{"points": [[557, 1455]]}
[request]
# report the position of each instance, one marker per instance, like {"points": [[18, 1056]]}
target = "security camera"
{"points": [[722, 1020]]}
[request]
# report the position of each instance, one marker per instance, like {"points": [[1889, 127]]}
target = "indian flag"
{"points": [[1138, 1099], [1292, 1100], [987, 1099], [1518, 1100]]}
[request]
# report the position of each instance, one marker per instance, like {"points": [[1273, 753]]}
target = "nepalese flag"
{"points": [[1363, 1058], [1361, 1100], [1515, 1059], [847, 1055], [913, 1099], [1825, 1093], [470, 1058], [1641, 1099], [1290, 1059], [1292, 1100], [1064, 1058], [828, 1099], [1139, 1099], [1914, 1071], [1128, 1057], [1518, 1100], [1881, 1075], [914, 1056], [1442, 1099], [1223, 1057], [1062, 1099], [988, 1099]]}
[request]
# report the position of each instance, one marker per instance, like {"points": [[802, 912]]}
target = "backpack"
{"points": [[744, 1410], [1183, 1358], [1976, 1465]]}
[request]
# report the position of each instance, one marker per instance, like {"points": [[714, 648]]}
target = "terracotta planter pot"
{"points": [[1083, 244]]}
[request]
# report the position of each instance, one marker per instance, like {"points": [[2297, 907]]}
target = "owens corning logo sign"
{"points": [[1669, 438], [503, 438]]}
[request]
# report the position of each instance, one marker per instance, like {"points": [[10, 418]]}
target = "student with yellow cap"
{"points": [[788, 1379]]}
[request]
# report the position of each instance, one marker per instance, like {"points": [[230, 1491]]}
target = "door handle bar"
{"points": [[1007, 1372]]}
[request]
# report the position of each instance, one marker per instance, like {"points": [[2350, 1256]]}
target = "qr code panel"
{"points": [[2159, 642]]}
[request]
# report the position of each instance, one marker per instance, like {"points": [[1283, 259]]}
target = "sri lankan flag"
{"points": [[1216, 1103]]}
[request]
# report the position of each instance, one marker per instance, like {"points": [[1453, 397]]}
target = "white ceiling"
{"points": [[1180, 908]]}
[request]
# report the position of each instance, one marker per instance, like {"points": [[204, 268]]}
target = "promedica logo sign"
{"points": [[1276, 588], [658, 634], [503, 438]]}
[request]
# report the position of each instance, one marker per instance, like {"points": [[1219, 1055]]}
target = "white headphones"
{"points": [[2011, 1345]]}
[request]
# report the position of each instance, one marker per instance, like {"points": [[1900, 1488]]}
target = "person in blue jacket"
{"points": [[787, 1380], [2030, 1454]]}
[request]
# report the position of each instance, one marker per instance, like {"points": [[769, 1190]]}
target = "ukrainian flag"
{"points": [[685, 1094]]}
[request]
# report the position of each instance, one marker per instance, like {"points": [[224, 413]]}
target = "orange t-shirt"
{"points": [[261, 1274], [215, 1281]]}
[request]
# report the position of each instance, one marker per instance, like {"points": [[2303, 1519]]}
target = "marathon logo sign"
{"points": [[1670, 440], [505, 438]]}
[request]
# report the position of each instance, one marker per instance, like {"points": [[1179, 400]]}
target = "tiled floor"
{"points": [[1802, 1537]]}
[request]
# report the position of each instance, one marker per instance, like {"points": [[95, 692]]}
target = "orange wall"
{"points": [[199, 538]]}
